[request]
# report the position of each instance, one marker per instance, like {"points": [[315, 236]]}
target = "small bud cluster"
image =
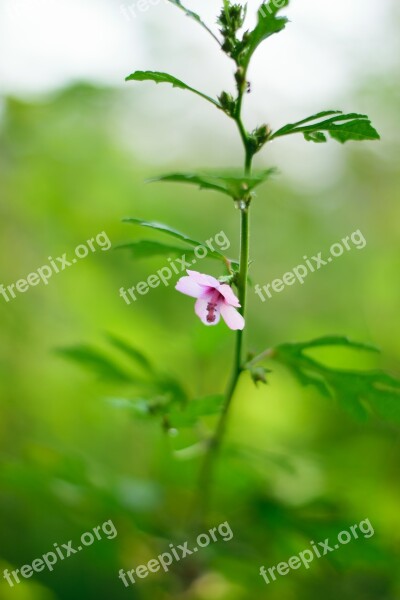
{"points": [[259, 137], [227, 103], [231, 19]]}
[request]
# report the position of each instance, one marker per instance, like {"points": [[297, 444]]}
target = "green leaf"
{"points": [[195, 410], [357, 130], [195, 17], [234, 185], [151, 248], [268, 24], [164, 228], [159, 77], [176, 234], [290, 126], [133, 353], [341, 127], [360, 392], [98, 363]]}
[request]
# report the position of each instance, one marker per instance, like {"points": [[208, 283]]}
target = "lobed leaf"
{"points": [[159, 77], [341, 127], [360, 392]]}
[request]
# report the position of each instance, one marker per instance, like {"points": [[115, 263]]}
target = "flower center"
{"points": [[211, 308]]}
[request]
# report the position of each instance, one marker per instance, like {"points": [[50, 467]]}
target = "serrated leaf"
{"points": [[159, 77], [195, 16], [268, 24], [233, 185], [341, 127], [176, 234], [98, 363], [133, 353], [360, 392], [150, 248], [357, 130]]}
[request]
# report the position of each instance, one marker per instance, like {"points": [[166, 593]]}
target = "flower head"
{"points": [[213, 299]]}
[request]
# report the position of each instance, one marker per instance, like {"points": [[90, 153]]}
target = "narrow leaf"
{"points": [[133, 353], [290, 126], [159, 77], [195, 17], [98, 363], [233, 185], [176, 234], [164, 228], [150, 248]]}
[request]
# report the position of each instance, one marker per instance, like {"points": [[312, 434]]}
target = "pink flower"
{"points": [[213, 299]]}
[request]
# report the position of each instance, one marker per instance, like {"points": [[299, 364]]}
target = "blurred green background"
{"points": [[295, 466]]}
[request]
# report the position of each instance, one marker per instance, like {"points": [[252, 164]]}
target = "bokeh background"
{"points": [[77, 144]]}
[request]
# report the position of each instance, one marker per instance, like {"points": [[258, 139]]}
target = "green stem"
{"points": [[207, 469]]}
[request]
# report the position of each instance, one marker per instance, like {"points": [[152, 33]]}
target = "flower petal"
{"points": [[187, 286], [201, 310], [226, 291], [232, 318], [203, 279]]}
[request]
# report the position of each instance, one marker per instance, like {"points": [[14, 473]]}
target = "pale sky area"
{"points": [[324, 56], [46, 43]]}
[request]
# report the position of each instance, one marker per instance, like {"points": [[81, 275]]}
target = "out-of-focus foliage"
{"points": [[74, 453]]}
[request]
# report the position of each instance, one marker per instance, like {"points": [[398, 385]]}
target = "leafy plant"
{"points": [[361, 392]]}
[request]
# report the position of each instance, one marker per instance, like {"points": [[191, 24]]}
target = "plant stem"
{"points": [[207, 469]]}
